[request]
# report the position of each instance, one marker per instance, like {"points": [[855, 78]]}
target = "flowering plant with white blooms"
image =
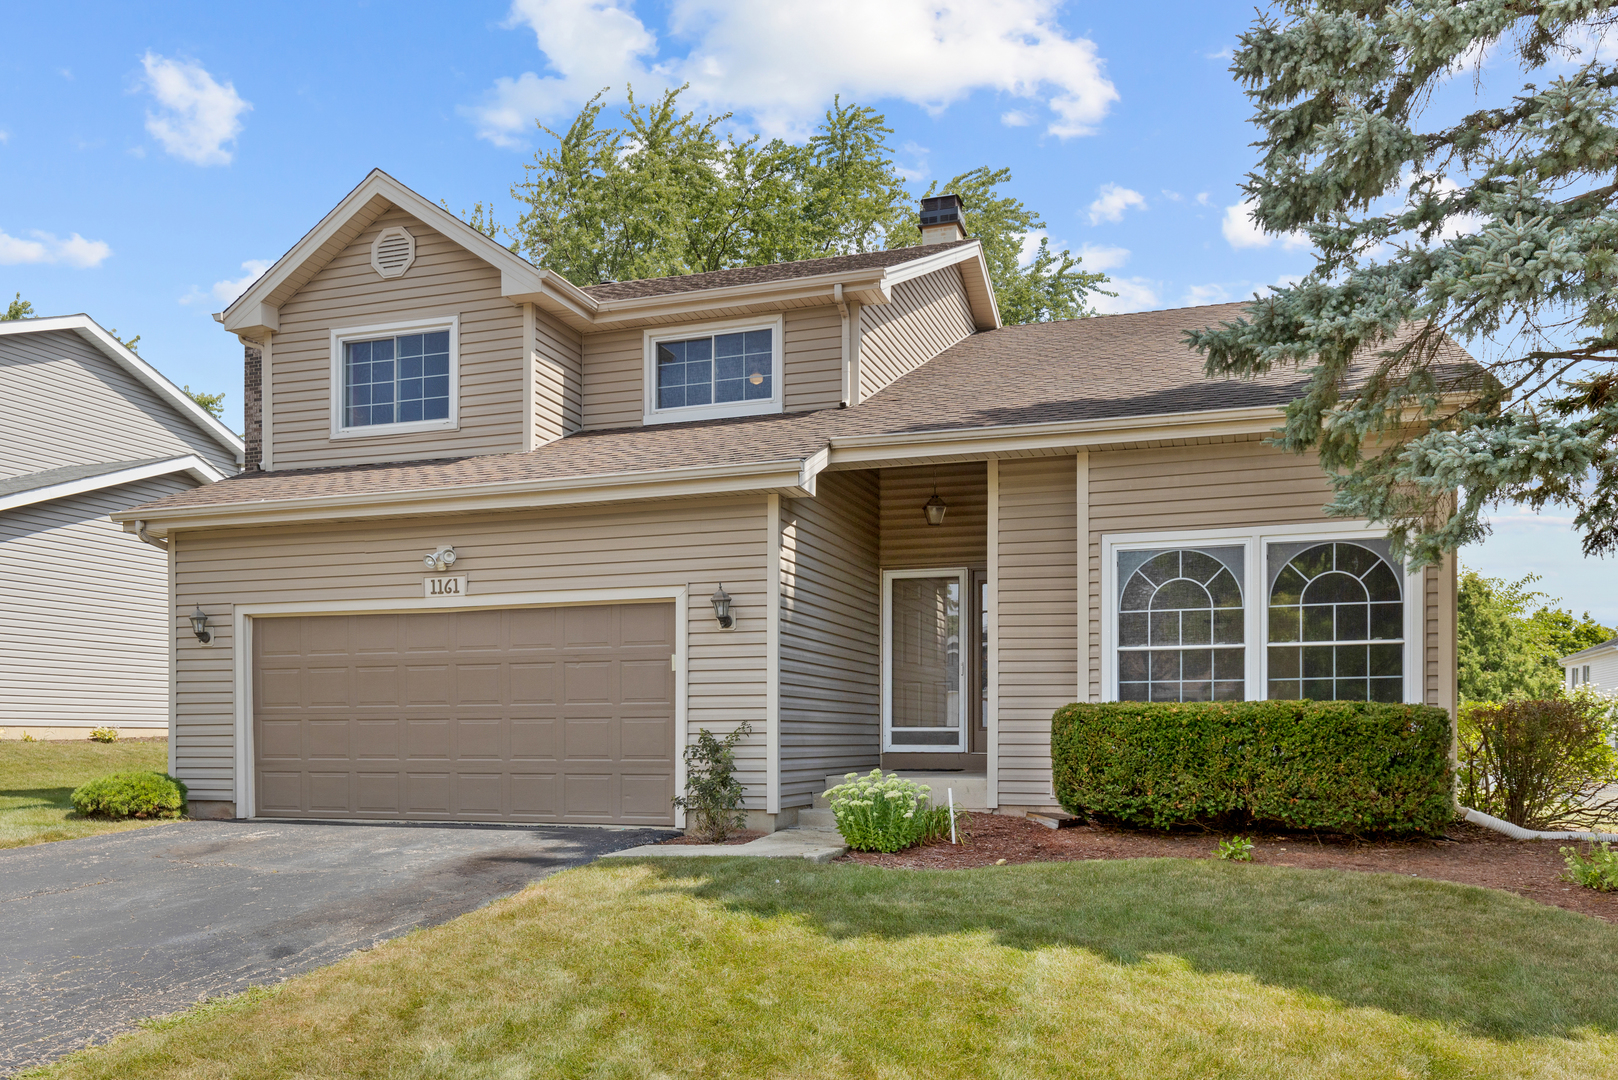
{"points": [[878, 812]]}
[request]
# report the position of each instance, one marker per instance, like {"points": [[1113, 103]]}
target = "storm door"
{"points": [[925, 656]]}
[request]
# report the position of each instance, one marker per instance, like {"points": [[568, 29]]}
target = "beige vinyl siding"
{"points": [[614, 364], [695, 544], [1213, 486], [83, 639], [811, 363], [558, 374], [445, 279], [927, 315], [1038, 605], [68, 404], [830, 635], [812, 359], [909, 543]]}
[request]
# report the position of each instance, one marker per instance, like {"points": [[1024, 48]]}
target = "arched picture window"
{"points": [[1336, 624], [1180, 625]]}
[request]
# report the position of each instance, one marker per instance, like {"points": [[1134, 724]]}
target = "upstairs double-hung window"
{"points": [[394, 380], [729, 372]]}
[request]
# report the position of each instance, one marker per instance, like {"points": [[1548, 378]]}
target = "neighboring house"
{"points": [[1596, 666], [695, 501], [90, 428]]}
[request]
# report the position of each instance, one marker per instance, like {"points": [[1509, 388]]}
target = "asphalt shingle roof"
{"points": [[1116, 366], [759, 275]]}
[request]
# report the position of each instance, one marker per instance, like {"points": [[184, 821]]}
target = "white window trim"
{"points": [[339, 335], [652, 338], [888, 576], [1255, 625]]}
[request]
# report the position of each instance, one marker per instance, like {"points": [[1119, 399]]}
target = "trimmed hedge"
{"points": [[1345, 766], [131, 794]]}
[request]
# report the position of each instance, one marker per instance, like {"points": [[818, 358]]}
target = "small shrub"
{"points": [[131, 794], [1345, 766], [1596, 870], [886, 813], [1236, 849], [1539, 764], [105, 734], [713, 796], [28, 736]]}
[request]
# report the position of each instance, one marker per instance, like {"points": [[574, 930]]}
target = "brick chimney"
{"points": [[252, 406], [941, 220]]}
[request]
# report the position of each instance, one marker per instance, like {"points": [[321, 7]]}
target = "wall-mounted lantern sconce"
{"points": [[439, 560], [199, 626], [935, 506], [721, 609]]}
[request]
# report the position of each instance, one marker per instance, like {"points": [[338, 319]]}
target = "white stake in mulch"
{"points": [[951, 814]]}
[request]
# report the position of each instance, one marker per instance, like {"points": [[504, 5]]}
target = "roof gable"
{"points": [[113, 349]]}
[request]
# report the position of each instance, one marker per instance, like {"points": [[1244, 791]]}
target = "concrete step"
{"points": [[817, 819]]}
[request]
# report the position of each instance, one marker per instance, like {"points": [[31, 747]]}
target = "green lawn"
{"points": [[36, 779], [750, 968]]}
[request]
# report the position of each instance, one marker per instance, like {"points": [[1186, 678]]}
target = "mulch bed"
{"points": [[1467, 854]]}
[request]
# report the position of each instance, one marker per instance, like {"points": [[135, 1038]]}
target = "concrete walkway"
{"points": [[816, 840]]}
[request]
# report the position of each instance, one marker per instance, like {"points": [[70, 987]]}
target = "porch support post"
{"points": [[992, 602], [1081, 692], [772, 662]]}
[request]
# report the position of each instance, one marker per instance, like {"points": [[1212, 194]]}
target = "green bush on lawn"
{"points": [[131, 794], [1344, 766]]}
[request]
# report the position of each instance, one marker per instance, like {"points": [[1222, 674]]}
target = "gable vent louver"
{"points": [[393, 251]]}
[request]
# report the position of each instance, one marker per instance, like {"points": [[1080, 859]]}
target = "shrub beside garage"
{"points": [[131, 794], [1343, 766]]}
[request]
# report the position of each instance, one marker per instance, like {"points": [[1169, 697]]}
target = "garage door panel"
{"points": [[427, 684], [641, 681], [328, 793], [429, 739], [536, 795], [377, 793], [535, 683], [478, 684], [328, 740], [480, 739], [478, 793], [378, 684], [427, 793], [376, 740], [537, 739], [559, 714]]}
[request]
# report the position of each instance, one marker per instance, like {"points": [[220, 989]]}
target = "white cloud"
{"points": [[1173, 196], [1103, 258], [5, 136], [1134, 294], [228, 290], [1202, 198], [913, 173], [1212, 293], [1223, 292], [1016, 118], [197, 116], [780, 64], [1112, 202], [46, 249], [1241, 231]]}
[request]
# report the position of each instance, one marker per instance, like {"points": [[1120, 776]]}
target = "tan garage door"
{"points": [[527, 714]]}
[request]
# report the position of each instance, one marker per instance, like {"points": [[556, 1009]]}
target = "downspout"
{"points": [[849, 391], [140, 531]]}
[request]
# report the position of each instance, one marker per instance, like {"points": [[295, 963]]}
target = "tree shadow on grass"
{"points": [[48, 798], [1477, 959]]}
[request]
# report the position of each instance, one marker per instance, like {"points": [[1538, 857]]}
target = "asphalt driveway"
{"points": [[98, 933]]}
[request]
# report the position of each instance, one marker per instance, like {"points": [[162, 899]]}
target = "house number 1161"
{"points": [[446, 588]]}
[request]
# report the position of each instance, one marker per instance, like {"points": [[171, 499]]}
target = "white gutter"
{"points": [[190, 463]]}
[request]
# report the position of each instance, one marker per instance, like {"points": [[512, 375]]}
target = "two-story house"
{"points": [[505, 544], [89, 428]]}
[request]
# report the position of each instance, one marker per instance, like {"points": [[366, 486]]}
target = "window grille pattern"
{"points": [[1180, 627], [396, 380], [717, 370], [1336, 627]]}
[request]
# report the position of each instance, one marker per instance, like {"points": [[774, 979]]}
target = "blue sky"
{"points": [[152, 160]]}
